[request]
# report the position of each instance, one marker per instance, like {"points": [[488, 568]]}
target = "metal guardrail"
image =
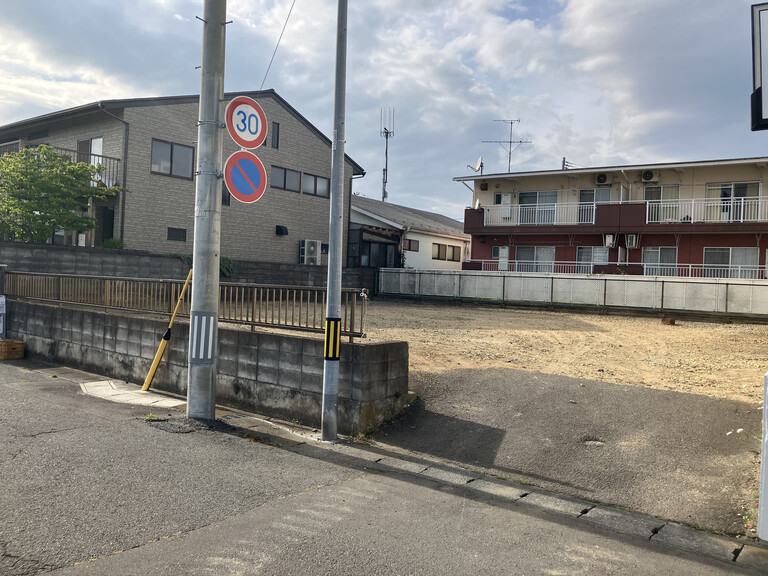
{"points": [[284, 307]]}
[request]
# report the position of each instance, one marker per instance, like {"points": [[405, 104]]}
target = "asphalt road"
{"points": [[682, 457], [89, 487]]}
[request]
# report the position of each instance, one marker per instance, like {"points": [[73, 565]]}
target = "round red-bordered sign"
{"points": [[246, 122], [245, 176]]}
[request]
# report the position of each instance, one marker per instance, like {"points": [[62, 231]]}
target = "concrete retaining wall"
{"points": [[715, 296], [138, 264], [274, 375]]}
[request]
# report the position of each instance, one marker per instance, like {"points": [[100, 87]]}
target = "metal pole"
{"points": [[762, 508], [333, 304], [203, 327]]}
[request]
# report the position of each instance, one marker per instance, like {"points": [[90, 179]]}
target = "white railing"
{"points": [[563, 213], [669, 270], [707, 210]]}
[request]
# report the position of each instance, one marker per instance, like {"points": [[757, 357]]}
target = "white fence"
{"points": [[708, 295]]}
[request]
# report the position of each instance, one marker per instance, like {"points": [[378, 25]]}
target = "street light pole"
{"points": [[333, 304], [203, 327]]}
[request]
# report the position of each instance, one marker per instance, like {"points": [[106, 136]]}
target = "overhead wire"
{"points": [[278, 44]]}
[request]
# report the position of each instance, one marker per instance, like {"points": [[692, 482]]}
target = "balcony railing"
{"points": [[673, 270], [563, 213], [109, 175], [708, 210]]}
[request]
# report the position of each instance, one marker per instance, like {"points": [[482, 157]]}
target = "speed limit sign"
{"points": [[246, 122]]}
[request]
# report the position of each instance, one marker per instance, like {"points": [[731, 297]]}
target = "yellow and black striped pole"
{"points": [[166, 338], [332, 339]]}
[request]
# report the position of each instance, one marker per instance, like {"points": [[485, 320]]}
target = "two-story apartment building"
{"points": [[706, 218], [148, 147]]}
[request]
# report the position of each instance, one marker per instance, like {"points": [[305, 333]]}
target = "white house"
{"points": [[384, 235]]}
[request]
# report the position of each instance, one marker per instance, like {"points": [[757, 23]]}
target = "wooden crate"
{"points": [[11, 349]]}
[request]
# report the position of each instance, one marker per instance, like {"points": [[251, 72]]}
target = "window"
{"points": [[315, 185], [411, 245], [286, 179], [226, 197], [660, 261], [177, 234], [172, 159], [733, 202], [731, 262], [663, 203], [587, 256], [537, 207], [275, 135], [446, 252], [535, 258]]}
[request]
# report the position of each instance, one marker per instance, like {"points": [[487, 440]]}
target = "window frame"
{"points": [[182, 231], [410, 245], [314, 180], [171, 160], [284, 186], [275, 136]]}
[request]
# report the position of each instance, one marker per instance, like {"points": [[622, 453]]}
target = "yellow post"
{"points": [[166, 337]]}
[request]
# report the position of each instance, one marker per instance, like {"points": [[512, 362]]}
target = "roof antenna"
{"points": [[387, 119], [508, 143]]}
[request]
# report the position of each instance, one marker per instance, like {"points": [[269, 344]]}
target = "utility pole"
{"points": [[203, 326], [509, 142], [331, 352], [387, 117]]}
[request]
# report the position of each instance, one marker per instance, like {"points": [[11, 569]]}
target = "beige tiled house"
{"points": [[148, 147]]}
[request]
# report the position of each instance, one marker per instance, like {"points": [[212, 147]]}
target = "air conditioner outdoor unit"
{"points": [[309, 252], [602, 178], [649, 175], [610, 240], [632, 240]]}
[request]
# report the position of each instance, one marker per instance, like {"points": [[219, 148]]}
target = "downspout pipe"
{"points": [[125, 169]]}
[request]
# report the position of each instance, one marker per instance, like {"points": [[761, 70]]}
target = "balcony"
{"points": [[669, 270], [565, 213], [703, 215], [109, 174], [708, 211]]}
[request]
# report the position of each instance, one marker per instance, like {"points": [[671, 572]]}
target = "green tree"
{"points": [[42, 191]]}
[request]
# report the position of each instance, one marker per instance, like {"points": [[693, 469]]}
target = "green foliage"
{"points": [[226, 266], [186, 258], [42, 191], [112, 243]]}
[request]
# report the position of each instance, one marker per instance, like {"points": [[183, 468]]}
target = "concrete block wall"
{"points": [[51, 259], [274, 375]]}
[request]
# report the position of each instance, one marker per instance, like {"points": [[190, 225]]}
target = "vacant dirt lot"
{"points": [[719, 360]]}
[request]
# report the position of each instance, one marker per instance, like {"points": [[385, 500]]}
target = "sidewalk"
{"points": [[384, 458]]}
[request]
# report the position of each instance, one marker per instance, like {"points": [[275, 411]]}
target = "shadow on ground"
{"points": [[682, 457]]}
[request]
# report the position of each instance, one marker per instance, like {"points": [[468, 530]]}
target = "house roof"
{"points": [[39, 121], [408, 218], [625, 168]]}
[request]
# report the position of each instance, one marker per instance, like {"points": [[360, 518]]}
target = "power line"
{"points": [[278, 44]]}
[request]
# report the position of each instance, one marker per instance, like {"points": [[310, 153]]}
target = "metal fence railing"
{"points": [[285, 307]]}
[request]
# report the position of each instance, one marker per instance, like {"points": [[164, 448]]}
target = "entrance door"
{"points": [[503, 258]]}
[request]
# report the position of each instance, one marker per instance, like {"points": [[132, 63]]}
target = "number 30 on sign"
{"points": [[246, 122]]}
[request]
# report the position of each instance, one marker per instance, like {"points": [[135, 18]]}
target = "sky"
{"points": [[599, 82]]}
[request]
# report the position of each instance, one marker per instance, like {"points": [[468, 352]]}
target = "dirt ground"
{"points": [[713, 359]]}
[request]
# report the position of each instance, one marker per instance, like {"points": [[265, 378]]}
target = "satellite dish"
{"points": [[478, 167]]}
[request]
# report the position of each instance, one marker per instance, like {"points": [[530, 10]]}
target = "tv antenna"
{"points": [[509, 142], [387, 130], [478, 167]]}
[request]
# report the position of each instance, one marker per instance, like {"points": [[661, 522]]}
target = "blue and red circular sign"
{"points": [[246, 122], [245, 176]]}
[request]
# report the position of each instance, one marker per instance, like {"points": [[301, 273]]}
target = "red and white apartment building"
{"points": [[688, 219]]}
